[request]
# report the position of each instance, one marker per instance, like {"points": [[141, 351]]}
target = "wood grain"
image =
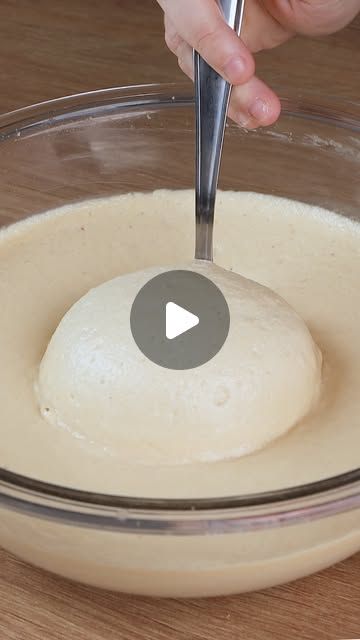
{"points": [[49, 49], [35, 605]]}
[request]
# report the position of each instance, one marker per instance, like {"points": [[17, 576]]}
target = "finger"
{"points": [[252, 104], [172, 38], [202, 26], [314, 17], [186, 60], [260, 29], [179, 47]]}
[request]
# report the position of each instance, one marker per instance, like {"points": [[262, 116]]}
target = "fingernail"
{"points": [[259, 110], [234, 70]]}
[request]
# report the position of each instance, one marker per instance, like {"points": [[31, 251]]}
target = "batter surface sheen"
{"points": [[310, 257]]}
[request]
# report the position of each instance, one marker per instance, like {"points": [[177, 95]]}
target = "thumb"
{"points": [[202, 26]]}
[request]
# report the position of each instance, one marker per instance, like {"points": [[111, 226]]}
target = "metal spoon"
{"points": [[212, 95]]}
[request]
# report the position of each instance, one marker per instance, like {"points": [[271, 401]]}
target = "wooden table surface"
{"points": [[48, 49]]}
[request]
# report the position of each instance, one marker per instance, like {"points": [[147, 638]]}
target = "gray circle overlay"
{"points": [[196, 294]]}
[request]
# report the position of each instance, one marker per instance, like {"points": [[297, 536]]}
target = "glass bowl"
{"points": [[141, 138]]}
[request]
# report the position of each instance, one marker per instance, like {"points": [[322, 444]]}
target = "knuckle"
{"points": [[173, 40], [205, 39], [184, 66], [317, 17], [181, 63], [185, 59]]}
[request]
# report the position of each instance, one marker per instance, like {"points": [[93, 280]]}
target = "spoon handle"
{"points": [[212, 94]]}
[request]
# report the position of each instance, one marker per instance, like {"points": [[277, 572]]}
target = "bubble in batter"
{"points": [[96, 383]]}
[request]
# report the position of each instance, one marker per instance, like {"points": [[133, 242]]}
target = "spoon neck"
{"points": [[204, 236], [212, 97], [212, 94]]}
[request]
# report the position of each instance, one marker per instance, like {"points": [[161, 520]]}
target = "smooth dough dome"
{"points": [[96, 383]]}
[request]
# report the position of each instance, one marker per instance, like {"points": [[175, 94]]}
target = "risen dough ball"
{"points": [[95, 382]]}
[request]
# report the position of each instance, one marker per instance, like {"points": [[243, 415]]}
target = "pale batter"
{"points": [[308, 256], [96, 383]]}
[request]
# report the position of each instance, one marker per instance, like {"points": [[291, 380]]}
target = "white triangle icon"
{"points": [[178, 320]]}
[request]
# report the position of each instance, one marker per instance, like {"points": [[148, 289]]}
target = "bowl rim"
{"points": [[171, 515]]}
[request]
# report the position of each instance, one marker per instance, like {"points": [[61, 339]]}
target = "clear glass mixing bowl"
{"points": [[142, 138]]}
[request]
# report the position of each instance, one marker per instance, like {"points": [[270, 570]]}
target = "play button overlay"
{"points": [[180, 319]]}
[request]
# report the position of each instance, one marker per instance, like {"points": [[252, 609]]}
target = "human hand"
{"points": [[199, 24]]}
